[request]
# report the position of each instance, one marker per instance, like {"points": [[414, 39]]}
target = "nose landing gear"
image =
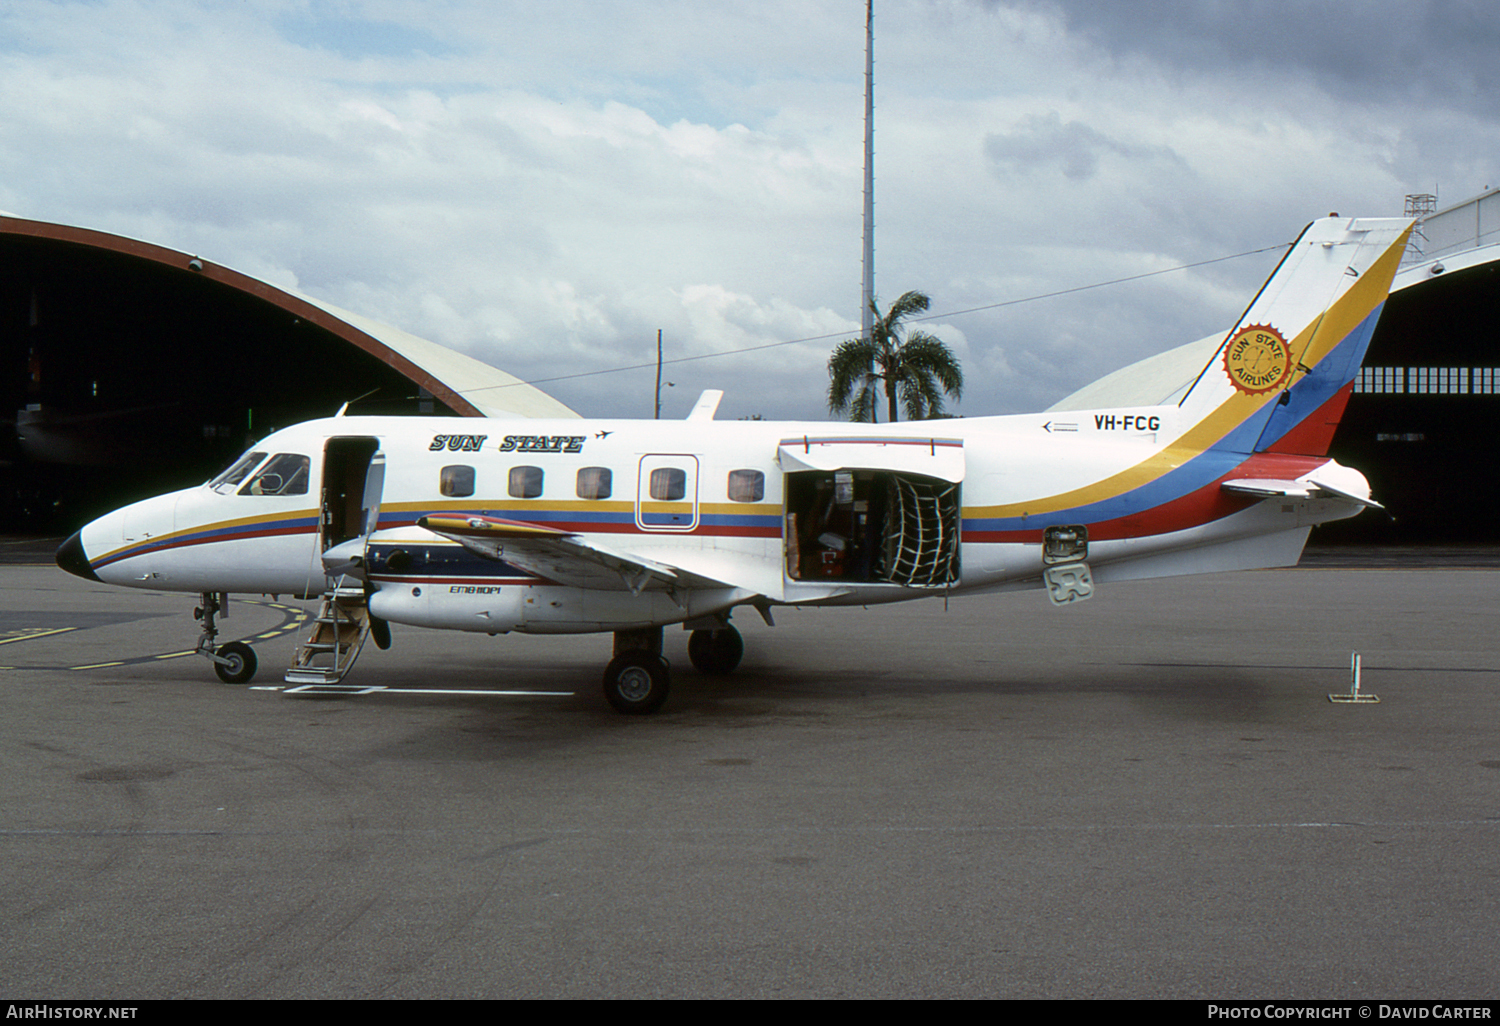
{"points": [[235, 662]]}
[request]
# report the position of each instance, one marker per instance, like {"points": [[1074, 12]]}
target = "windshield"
{"points": [[237, 471], [284, 474]]}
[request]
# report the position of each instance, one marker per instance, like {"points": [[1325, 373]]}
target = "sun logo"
{"points": [[1258, 359]]}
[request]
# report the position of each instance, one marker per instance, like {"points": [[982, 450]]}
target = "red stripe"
{"points": [[1195, 509], [1314, 434]]}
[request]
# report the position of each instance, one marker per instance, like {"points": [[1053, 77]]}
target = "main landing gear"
{"points": [[637, 679], [235, 662], [716, 652]]}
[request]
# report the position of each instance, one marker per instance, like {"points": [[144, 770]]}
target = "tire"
{"points": [[716, 652], [636, 683], [241, 665]]}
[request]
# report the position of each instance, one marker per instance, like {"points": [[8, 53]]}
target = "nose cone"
{"points": [[72, 558]]}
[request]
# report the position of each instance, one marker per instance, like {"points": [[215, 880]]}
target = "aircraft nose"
{"points": [[72, 558]]}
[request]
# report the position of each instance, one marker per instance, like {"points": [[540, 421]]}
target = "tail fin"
{"points": [[1281, 379]]}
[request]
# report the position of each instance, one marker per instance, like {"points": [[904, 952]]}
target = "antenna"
{"points": [[344, 409]]}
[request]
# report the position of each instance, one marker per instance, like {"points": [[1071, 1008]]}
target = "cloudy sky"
{"points": [[545, 185]]}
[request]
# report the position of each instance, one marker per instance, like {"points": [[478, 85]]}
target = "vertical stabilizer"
{"points": [[1281, 378]]}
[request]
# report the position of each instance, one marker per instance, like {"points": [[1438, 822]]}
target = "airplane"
{"points": [[627, 526]]}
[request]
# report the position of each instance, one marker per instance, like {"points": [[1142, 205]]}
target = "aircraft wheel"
{"points": [[636, 682], [716, 652], [241, 665]]}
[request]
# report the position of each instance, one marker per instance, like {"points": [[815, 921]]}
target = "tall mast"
{"points": [[867, 318]]}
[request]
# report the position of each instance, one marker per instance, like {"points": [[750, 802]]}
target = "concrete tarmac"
{"points": [[1145, 795]]}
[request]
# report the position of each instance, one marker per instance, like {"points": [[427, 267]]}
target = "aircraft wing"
{"points": [[563, 556]]}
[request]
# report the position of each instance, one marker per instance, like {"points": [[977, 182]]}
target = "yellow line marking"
{"points": [[27, 633]]}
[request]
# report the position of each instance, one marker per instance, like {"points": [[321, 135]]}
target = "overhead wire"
{"points": [[844, 334]]}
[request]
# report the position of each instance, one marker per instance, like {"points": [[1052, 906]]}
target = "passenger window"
{"points": [[746, 485], [284, 474], [525, 482], [239, 471], [595, 483], [456, 481], [668, 484]]}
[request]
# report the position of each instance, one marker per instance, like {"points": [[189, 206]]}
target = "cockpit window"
{"points": [[237, 471], [284, 474]]}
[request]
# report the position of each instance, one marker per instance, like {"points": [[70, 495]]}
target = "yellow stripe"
{"points": [[218, 525]]}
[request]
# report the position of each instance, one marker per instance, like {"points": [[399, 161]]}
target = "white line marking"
{"points": [[314, 690]]}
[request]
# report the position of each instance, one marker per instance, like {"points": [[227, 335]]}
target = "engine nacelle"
{"points": [[539, 609], [485, 608]]}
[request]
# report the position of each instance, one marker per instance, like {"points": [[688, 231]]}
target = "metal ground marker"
{"points": [[1354, 694]]}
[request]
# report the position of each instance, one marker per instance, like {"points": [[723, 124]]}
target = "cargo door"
{"points": [[877, 510]]}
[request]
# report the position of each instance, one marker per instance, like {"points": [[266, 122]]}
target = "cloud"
{"points": [[1043, 141], [1439, 51], [545, 186]]}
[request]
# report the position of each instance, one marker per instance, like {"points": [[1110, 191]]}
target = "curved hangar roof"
{"points": [[462, 384]]}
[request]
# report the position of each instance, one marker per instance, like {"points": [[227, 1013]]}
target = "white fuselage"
{"points": [[745, 511]]}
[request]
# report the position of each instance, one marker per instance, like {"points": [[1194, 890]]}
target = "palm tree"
{"points": [[919, 369]]}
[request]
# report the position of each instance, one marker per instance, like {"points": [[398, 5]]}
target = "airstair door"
{"points": [[353, 478]]}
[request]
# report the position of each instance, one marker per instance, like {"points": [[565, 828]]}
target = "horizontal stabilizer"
{"points": [[1268, 487], [1312, 486], [1332, 489]]}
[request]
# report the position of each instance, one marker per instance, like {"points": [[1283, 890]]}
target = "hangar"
{"points": [[130, 369]]}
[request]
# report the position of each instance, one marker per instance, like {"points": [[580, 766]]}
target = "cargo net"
{"points": [[921, 542]]}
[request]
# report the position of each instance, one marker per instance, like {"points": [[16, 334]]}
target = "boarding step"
{"points": [[334, 639]]}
